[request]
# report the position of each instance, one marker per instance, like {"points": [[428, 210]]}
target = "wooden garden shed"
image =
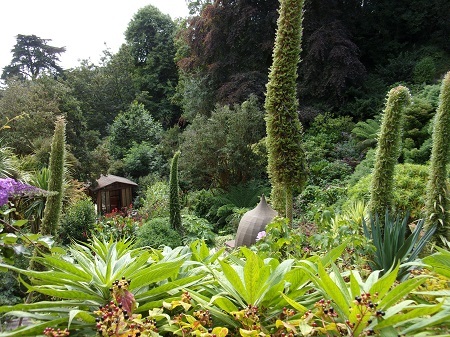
{"points": [[112, 193]]}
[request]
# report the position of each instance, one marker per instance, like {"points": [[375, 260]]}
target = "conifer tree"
{"points": [[437, 189], [286, 158], [388, 150], [53, 206], [174, 200]]}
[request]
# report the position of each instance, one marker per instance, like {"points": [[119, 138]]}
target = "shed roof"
{"points": [[109, 179]]}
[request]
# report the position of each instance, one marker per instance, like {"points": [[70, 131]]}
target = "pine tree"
{"points": [[388, 150], [174, 200], [437, 189], [286, 158]]}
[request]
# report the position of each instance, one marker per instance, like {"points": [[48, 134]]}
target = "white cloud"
{"points": [[82, 26]]}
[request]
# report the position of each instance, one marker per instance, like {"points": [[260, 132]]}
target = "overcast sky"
{"points": [[82, 26]]}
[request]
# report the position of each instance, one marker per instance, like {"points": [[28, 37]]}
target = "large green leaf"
{"points": [[33, 330], [400, 291], [406, 316]]}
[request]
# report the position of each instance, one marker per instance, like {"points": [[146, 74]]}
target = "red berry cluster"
{"points": [[186, 297], [50, 332], [115, 321], [204, 317]]}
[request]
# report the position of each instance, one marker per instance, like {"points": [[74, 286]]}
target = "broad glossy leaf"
{"points": [[442, 317], [33, 330], [69, 294], [234, 280], [400, 291], [331, 290], [414, 313], [81, 314], [44, 305], [297, 306], [384, 284]]}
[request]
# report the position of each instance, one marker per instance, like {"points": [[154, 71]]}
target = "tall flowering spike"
{"points": [[53, 205], [175, 215], [286, 158], [437, 188], [388, 150]]}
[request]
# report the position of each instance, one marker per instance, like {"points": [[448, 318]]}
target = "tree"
{"points": [[104, 90], [142, 159], [388, 151], [134, 126], [437, 188], [38, 104], [229, 46], [174, 200], [331, 64], [33, 57], [286, 158], [150, 37], [196, 6], [217, 151]]}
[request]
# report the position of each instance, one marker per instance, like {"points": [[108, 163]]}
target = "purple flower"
{"points": [[261, 235], [13, 188]]}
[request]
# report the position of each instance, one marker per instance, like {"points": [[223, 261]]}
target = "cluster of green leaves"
{"points": [[410, 181], [78, 222], [158, 232], [224, 208], [80, 282], [393, 245], [16, 241], [116, 226], [241, 293], [217, 152]]}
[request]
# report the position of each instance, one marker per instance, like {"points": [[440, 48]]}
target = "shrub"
{"points": [[156, 200], [202, 202], [409, 186], [424, 70], [78, 222], [157, 232], [117, 226], [141, 160], [197, 228]]}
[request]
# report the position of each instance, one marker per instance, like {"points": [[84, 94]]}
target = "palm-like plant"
{"points": [[367, 132], [9, 166], [81, 281]]}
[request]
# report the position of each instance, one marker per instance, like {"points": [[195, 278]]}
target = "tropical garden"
{"points": [[338, 112]]}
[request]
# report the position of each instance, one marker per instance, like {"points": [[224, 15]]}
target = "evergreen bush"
{"points": [[78, 222], [156, 233], [409, 184]]}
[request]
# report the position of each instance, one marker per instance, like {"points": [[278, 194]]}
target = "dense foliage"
{"points": [[197, 85]]}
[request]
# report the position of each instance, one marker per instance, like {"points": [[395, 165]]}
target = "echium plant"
{"points": [[437, 190], [286, 157], [52, 211], [174, 204], [381, 192]]}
